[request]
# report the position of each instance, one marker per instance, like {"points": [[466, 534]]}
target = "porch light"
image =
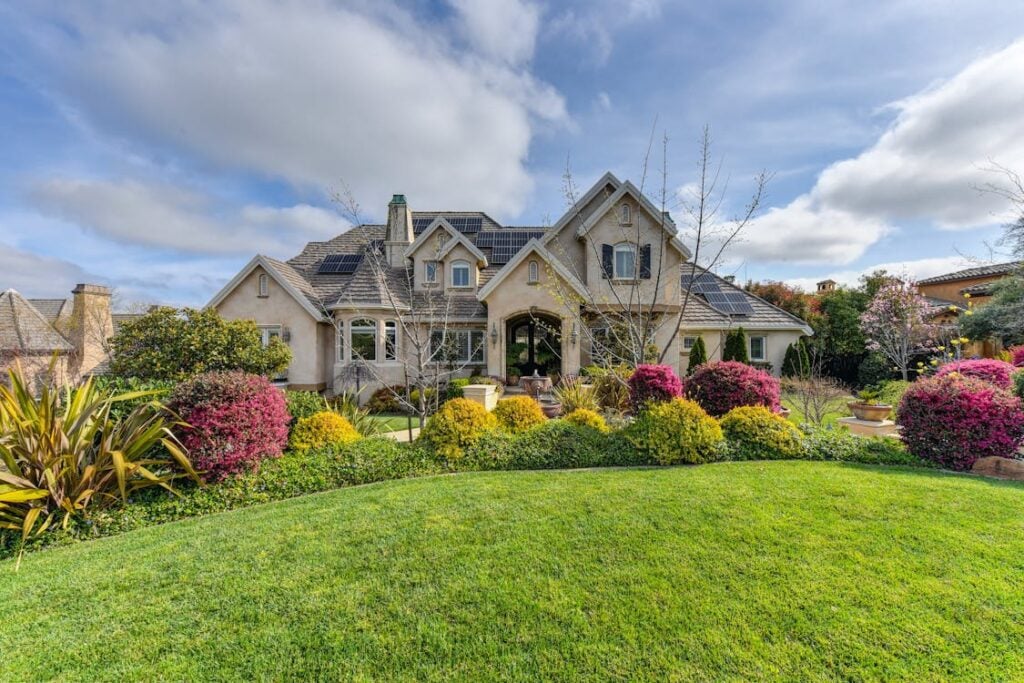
{"points": [[574, 336], [494, 335]]}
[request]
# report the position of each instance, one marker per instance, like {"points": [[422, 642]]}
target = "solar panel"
{"points": [[466, 224], [420, 224], [344, 264], [505, 244], [727, 300]]}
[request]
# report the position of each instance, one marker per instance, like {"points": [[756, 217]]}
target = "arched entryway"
{"points": [[533, 341]]}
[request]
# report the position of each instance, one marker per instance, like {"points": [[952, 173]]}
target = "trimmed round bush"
{"points": [[997, 372], [953, 420], [459, 424], [756, 433], [1017, 356], [304, 403], [321, 430], [674, 432], [385, 400], [720, 387], [519, 413], [653, 384], [233, 421], [582, 417]]}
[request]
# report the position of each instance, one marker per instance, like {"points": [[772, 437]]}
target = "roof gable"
{"points": [[25, 329], [534, 246], [284, 275], [440, 223]]}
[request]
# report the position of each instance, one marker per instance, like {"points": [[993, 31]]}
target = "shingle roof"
{"points": [[994, 270], [23, 329], [766, 316], [52, 309]]}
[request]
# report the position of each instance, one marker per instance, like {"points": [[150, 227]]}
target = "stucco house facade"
{"points": [[495, 300]]}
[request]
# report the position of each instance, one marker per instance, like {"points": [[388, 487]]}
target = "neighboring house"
{"points": [[512, 298], [72, 334]]}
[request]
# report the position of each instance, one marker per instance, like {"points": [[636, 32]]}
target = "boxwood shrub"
{"points": [[519, 413], [675, 432], [756, 433], [459, 424]]}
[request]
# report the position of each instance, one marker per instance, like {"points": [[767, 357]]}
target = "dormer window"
{"points": [[533, 275], [430, 272], [625, 215], [460, 274], [625, 262], [264, 285]]}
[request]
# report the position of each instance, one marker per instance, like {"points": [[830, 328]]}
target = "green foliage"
{"points": [[736, 346], [347, 405], [874, 369], [676, 431], [797, 362], [1002, 317], [890, 393], [611, 387], [1018, 384], [756, 433], [837, 322], [385, 400], [584, 417], [146, 391], [324, 430], [556, 444], [838, 444], [575, 395], [519, 413], [304, 403], [698, 355], [172, 345], [459, 424]]}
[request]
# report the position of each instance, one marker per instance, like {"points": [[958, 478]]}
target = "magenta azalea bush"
{"points": [[234, 420], [997, 372], [720, 387], [1017, 356], [953, 420], [653, 384]]}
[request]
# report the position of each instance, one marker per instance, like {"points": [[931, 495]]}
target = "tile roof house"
{"points": [[516, 298], [950, 288]]}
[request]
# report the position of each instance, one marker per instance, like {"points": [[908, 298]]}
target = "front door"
{"points": [[534, 344]]}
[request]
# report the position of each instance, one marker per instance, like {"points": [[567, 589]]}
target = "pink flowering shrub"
{"points": [[1017, 356], [954, 420], [997, 372], [720, 387], [653, 384], [234, 420]]}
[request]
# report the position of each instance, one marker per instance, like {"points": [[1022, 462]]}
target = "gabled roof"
{"points": [[534, 246], [52, 309], [995, 270], [766, 316], [286, 276], [567, 217], [459, 238], [23, 329]]}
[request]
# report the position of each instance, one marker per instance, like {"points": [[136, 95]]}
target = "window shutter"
{"points": [[645, 262], [606, 261]]}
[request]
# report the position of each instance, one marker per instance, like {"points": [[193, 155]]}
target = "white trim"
{"points": [[607, 179], [624, 246], [532, 247], [764, 347], [440, 222], [456, 264], [263, 262], [533, 272]]}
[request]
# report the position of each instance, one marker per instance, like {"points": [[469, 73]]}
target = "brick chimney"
{"points": [[90, 327], [399, 234]]}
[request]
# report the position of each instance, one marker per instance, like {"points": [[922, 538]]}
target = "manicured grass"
{"points": [[395, 423], [837, 409], [737, 571]]}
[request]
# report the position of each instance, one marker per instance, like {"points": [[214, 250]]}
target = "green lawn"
{"points": [[737, 571], [395, 423], [837, 409]]}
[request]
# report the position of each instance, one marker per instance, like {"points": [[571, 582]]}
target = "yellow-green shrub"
{"points": [[676, 431], [756, 433], [321, 430], [458, 425], [587, 418], [519, 413]]}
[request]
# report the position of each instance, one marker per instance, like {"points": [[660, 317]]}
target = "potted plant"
{"points": [[868, 408]]}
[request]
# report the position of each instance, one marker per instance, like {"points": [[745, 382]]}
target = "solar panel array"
{"points": [[505, 244], [728, 300], [420, 224], [469, 225], [343, 264]]}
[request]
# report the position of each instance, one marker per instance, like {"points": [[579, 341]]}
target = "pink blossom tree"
{"points": [[896, 323]]}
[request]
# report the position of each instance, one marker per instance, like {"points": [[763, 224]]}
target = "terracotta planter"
{"points": [[784, 412], [869, 412], [551, 409], [536, 384]]}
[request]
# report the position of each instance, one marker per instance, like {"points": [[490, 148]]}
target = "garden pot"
{"points": [[551, 409], [784, 412], [869, 412]]}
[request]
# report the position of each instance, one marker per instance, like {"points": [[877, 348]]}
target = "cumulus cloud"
{"points": [[925, 167], [503, 29], [36, 276]]}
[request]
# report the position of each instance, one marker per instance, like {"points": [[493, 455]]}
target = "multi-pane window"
{"points": [[430, 271], [457, 346], [625, 262], [534, 272], [390, 340], [264, 285], [364, 340], [460, 274], [688, 343], [758, 348], [268, 333]]}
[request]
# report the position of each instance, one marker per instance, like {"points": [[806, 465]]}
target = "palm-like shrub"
{"points": [[954, 420], [653, 384], [574, 395], [997, 372], [458, 425], [756, 433], [584, 417], [519, 413], [322, 430], [62, 453], [347, 405], [720, 387], [611, 387], [674, 432]]}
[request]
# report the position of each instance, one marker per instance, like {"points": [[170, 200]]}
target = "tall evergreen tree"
{"points": [[698, 355], [797, 362], [736, 346]]}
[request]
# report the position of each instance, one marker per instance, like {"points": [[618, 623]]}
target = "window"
{"points": [[264, 285], [625, 216], [688, 343], [758, 348], [390, 340], [460, 274], [364, 340], [339, 341], [430, 272], [534, 275], [625, 262], [269, 332], [457, 346]]}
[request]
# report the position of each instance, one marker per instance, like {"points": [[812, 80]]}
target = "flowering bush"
{"points": [[995, 371], [677, 431], [756, 433], [519, 413], [459, 424], [720, 387], [653, 383], [234, 420], [1017, 356], [954, 420], [896, 323], [322, 430], [584, 417]]}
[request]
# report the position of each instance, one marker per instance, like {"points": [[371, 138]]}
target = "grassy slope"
{"points": [[750, 570]]}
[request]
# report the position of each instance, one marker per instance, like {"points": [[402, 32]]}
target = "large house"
{"points": [[497, 300]]}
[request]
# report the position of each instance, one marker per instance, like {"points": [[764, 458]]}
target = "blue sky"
{"points": [[157, 146]]}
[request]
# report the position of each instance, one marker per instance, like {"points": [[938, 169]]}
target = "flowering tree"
{"points": [[896, 323]]}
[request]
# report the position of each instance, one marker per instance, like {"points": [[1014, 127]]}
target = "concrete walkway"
{"points": [[402, 436]]}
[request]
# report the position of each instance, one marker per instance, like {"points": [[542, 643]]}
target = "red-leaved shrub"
{"points": [[953, 420], [997, 372], [720, 387], [1017, 356], [234, 420], [653, 384]]}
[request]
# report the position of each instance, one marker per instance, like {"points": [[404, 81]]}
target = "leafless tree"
{"points": [[817, 394]]}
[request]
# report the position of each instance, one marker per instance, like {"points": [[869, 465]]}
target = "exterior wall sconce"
{"points": [[574, 336], [494, 335]]}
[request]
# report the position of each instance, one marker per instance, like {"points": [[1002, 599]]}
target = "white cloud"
{"points": [[36, 276], [503, 29], [312, 92], [917, 270]]}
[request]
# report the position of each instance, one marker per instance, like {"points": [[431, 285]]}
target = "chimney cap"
{"points": [[84, 288], [398, 199]]}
